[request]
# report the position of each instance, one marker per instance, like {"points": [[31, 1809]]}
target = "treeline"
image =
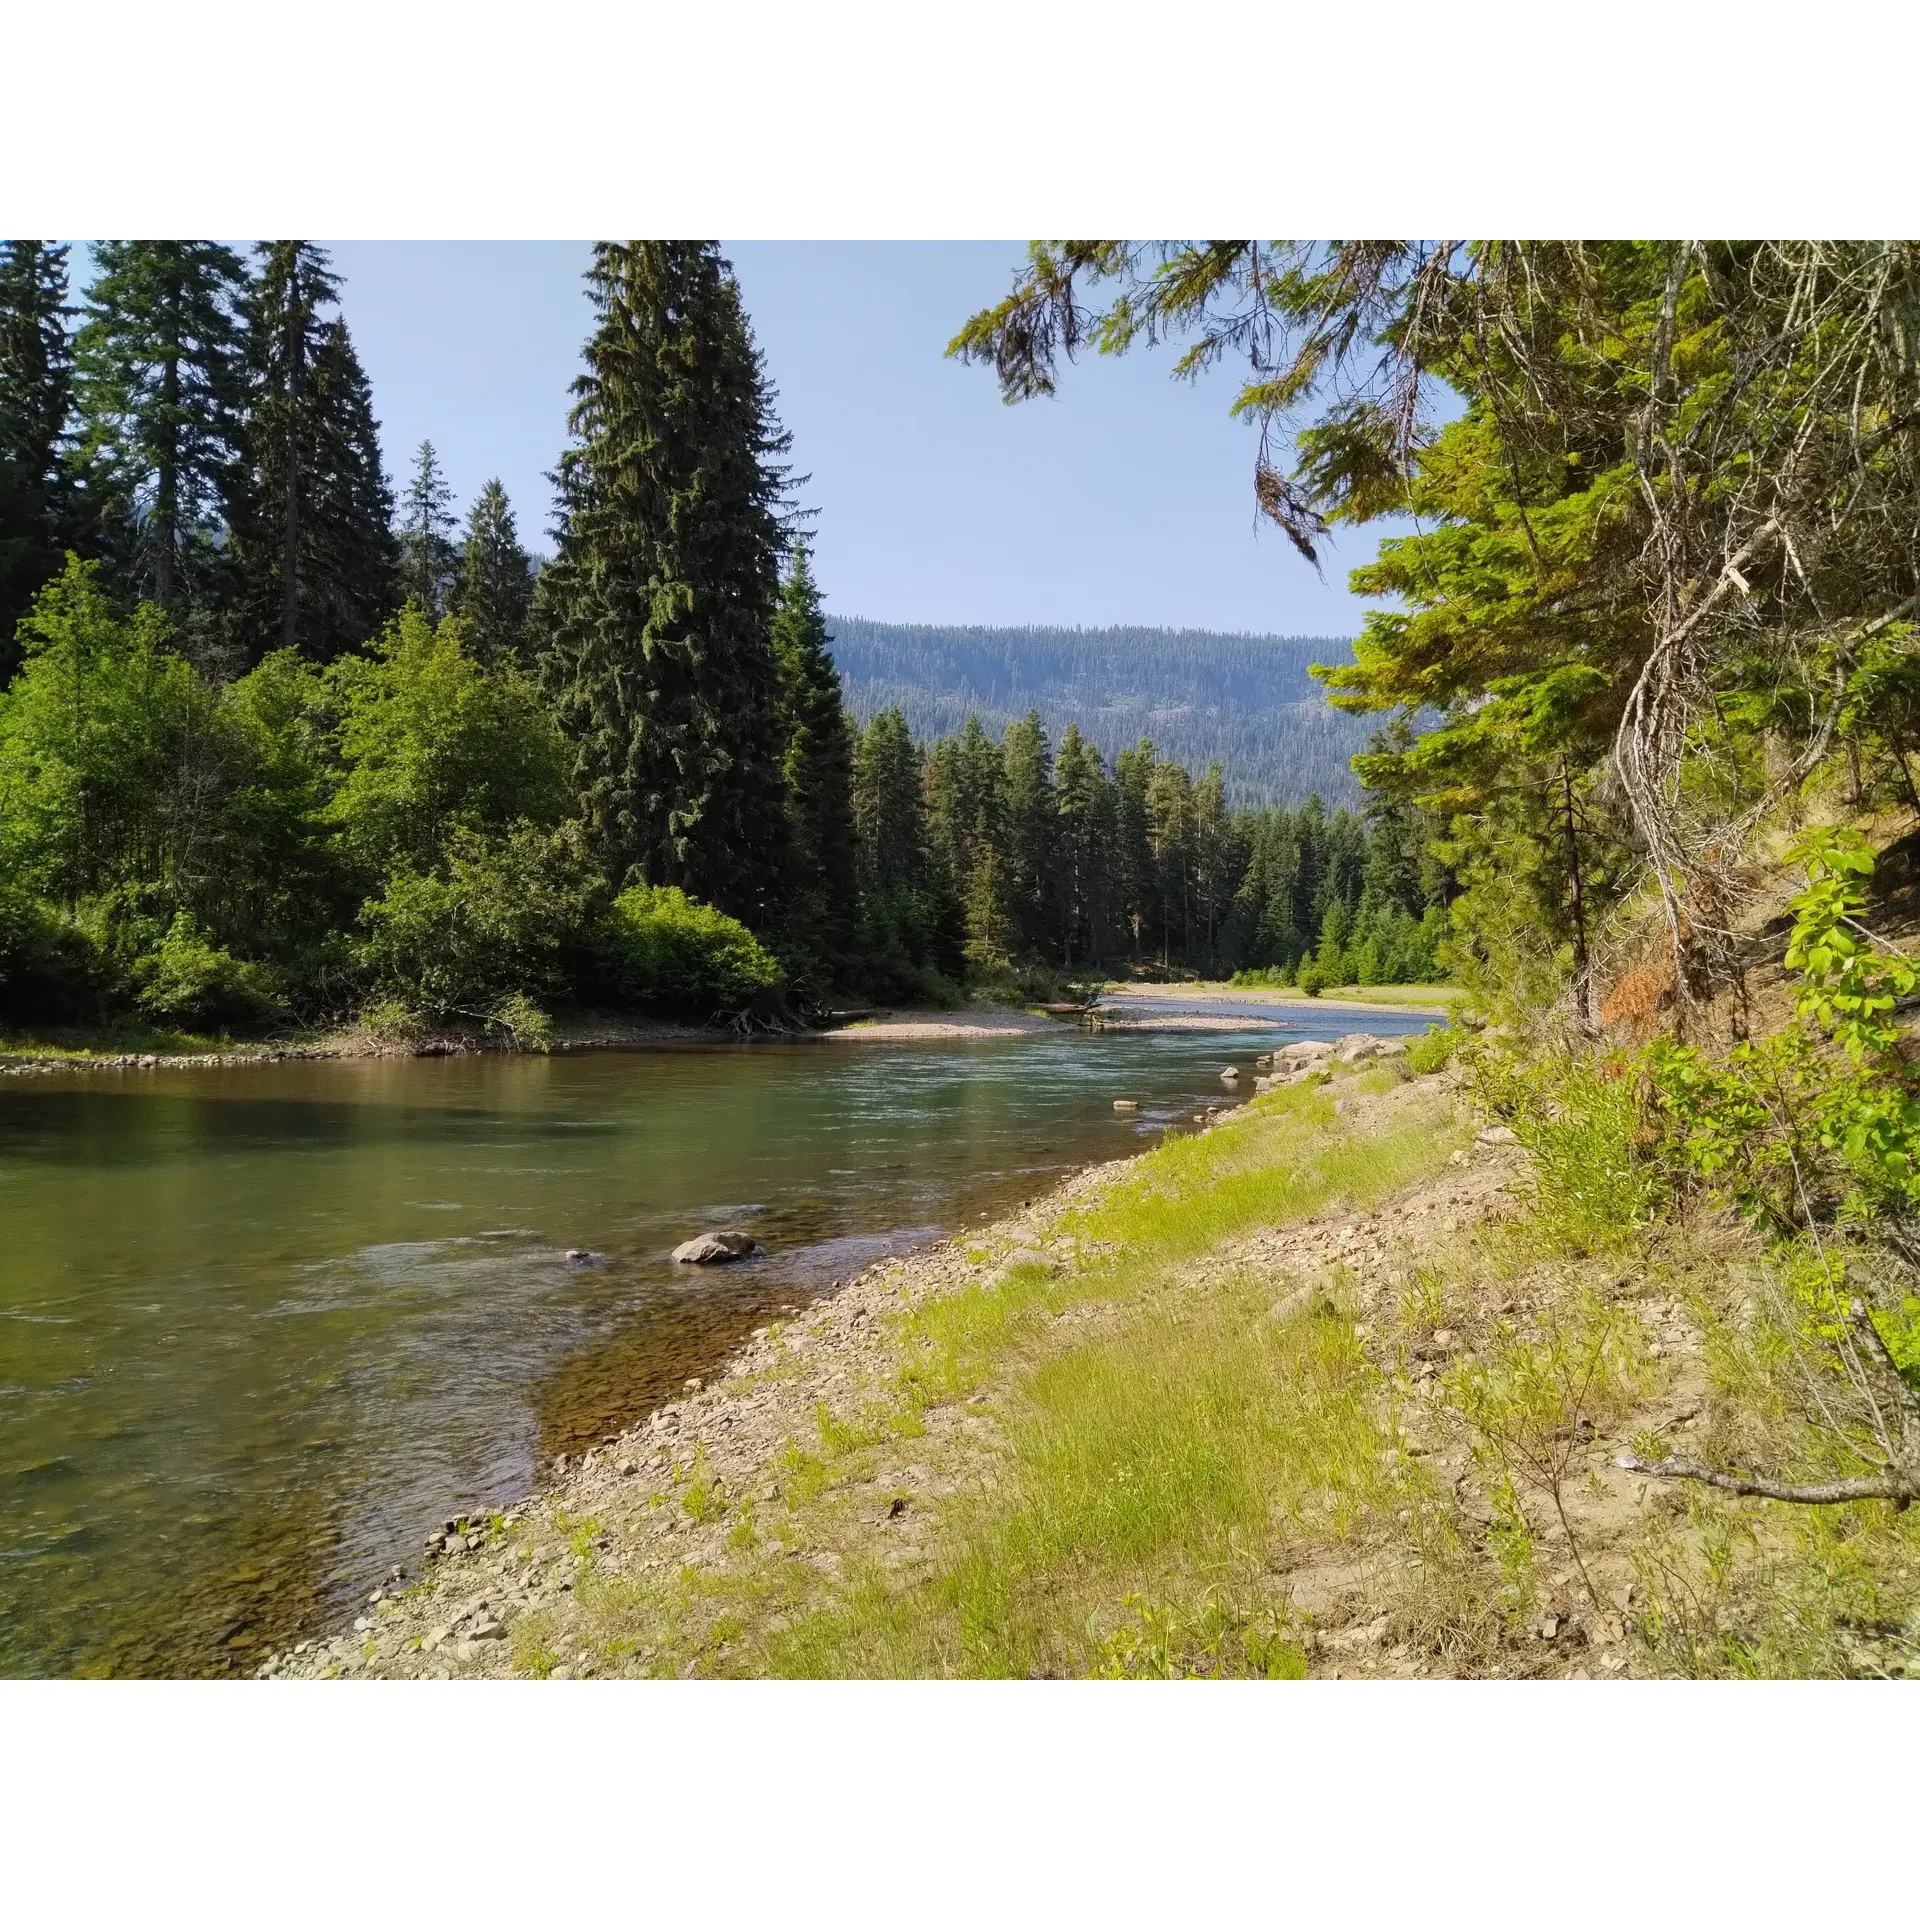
{"points": [[274, 745], [1246, 700], [990, 858]]}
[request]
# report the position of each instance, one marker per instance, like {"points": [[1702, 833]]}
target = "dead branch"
{"points": [[1829, 1493]]}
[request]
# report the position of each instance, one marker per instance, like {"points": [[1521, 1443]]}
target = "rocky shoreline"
{"points": [[620, 1507], [630, 1509]]}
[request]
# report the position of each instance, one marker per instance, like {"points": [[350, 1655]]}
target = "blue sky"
{"points": [[1129, 499]]}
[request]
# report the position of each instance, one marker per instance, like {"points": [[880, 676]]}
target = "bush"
{"points": [[661, 949], [188, 979], [1260, 977], [497, 921], [47, 967], [1435, 1048]]}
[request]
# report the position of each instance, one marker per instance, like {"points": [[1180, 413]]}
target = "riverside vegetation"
{"points": [[278, 750], [1585, 1341]]}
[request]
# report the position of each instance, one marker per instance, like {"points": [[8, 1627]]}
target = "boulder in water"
{"points": [[711, 1249]]}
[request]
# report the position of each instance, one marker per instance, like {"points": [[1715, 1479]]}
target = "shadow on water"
{"points": [[260, 1329]]}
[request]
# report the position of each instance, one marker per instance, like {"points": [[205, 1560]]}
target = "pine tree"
{"points": [[495, 587], [887, 800], [1030, 825], [655, 609], [314, 545], [1086, 850], [817, 773], [35, 388], [1136, 879], [429, 562], [159, 386]]}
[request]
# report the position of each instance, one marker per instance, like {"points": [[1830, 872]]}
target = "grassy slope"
{"points": [[1142, 1446]]}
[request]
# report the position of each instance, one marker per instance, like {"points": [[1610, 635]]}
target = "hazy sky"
{"points": [[1128, 499]]}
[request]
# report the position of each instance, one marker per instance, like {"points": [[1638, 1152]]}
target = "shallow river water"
{"points": [[261, 1326]]}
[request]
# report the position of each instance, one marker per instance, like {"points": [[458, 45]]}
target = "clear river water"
{"points": [[260, 1327]]}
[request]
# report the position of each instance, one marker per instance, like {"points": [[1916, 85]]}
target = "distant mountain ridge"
{"points": [[1245, 700]]}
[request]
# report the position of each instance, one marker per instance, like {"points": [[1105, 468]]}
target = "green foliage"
{"points": [[656, 607], [488, 926], [1821, 1121], [1583, 1122], [663, 950], [47, 967], [816, 768], [1435, 1049], [312, 540], [433, 742], [36, 378], [189, 981], [494, 592], [160, 391]]}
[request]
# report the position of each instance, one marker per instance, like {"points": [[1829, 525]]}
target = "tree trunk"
{"points": [[166, 512], [290, 524], [1582, 995]]}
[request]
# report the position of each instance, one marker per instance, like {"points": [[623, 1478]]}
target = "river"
{"points": [[261, 1326]]}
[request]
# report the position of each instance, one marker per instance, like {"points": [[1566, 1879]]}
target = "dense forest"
{"points": [[1248, 701], [277, 744]]}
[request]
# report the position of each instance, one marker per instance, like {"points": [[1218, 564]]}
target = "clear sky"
{"points": [[1129, 499]]}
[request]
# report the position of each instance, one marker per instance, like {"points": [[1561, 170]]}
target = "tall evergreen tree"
{"points": [[35, 388], [495, 587], [1031, 822], [656, 607], [159, 386], [315, 545], [429, 561], [817, 773], [1135, 876], [1086, 847]]}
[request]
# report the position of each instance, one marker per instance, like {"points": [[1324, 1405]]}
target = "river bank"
{"points": [[1187, 1412]]}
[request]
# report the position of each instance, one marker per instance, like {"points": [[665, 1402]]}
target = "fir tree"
{"points": [[35, 387], [1135, 878], [655, 609], [314, 546], [159, 385], [817, 773], [429, 562], [1085, 849], [1030, 824], [495, 587]]}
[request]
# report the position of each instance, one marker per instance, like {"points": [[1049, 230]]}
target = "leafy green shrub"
{"points": [[188, 979], [1584, 1125], [1799, 1127], [1435, 1048], [47, 966], [497, 921], [660, 948], [1260, 977]]}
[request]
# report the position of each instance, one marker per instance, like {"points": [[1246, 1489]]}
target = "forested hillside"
{"points": [[1245, 700]]}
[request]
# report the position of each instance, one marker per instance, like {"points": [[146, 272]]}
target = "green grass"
{"points": [[102, 1043], [1148, 1463]]}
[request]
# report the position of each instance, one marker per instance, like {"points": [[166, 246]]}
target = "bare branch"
{"points": [[1830, 1493]]}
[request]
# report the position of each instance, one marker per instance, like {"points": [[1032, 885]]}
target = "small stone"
{"points": [[363, 1624], [1229, 1074], [488, 1630], [1126, 1106], [629, 1467], [1496, 1137]]}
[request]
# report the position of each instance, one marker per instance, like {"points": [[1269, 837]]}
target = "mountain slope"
{"points": [[1245, 700]]}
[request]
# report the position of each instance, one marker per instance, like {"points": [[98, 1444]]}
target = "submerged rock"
{"points": [[709, 1249]]}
